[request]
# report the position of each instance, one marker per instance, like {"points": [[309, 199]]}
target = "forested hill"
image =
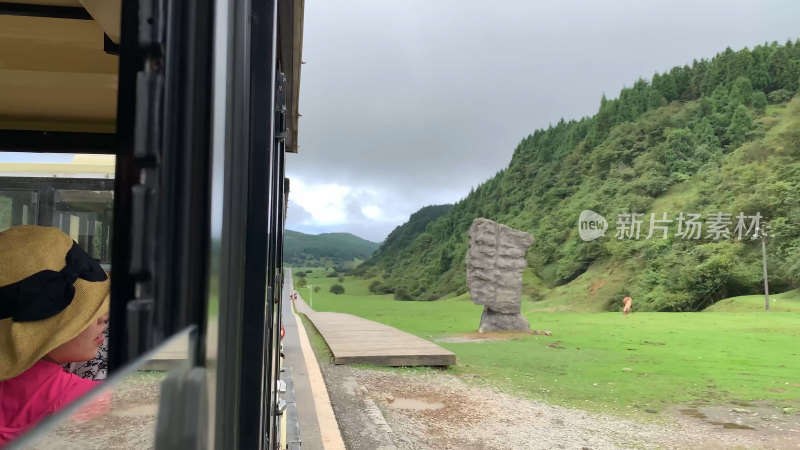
{"points": [[400, 239], [714, 136], [313, 250]]}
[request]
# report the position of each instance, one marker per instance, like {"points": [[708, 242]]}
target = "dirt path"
{"points": [[379, 409]]}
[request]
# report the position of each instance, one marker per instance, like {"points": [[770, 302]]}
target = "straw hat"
{"points": [[50, 291]]}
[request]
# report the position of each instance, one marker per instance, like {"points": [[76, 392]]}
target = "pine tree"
{"points": [[741, 63], [741, 92], [740, 126], [720, 99], [655, 99], [698, 78], [682, 78], [705, 133], [706, 106], [668, 87], [781, 71], [759, 76], [605, 116], [759, 101]]}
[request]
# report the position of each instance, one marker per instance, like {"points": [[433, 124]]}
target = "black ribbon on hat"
{"points": [[47, 293]]}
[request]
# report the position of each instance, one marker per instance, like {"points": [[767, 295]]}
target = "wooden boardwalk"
{"points": [[177, 352], [355, 340]]}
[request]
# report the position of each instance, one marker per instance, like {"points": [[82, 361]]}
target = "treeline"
{"points": [[324, 250], [715, 136], [402, 244]]}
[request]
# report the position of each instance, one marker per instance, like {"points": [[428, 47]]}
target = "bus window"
{"points": [[86, 215], [76, 197], [18, 207]]}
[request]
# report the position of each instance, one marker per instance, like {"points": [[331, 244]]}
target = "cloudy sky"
{"points": [[408, 103]]}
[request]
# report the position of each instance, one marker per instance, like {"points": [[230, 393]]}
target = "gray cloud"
{"points": [[296, 216], [418, 101], [354, 221]]}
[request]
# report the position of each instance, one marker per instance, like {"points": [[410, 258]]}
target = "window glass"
{"points": [[121, 417], [122, 414], [71, 192], [18, 207], [74, 193], [86, 215]]}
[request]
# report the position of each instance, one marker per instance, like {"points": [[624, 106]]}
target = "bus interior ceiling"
{"points": [[59, 70]]}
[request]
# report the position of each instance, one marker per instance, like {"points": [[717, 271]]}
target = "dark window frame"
{"points": [[32, 141], [33, 10]]}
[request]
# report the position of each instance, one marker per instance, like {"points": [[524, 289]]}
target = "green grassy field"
{"points": [[785, 302], [603, 361]]}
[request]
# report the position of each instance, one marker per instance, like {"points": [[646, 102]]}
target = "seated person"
{"points": [[53, 311]]}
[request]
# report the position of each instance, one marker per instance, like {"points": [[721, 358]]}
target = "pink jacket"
{"points": [[39, 391]]}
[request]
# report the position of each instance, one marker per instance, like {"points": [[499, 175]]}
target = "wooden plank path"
{"points": [[354, 340], [170, 356], [177, 352]]}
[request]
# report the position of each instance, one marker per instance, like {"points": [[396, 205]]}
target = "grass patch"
{"points": [[675, 200], [213, 304], [673, 357], [775, 110], [321, 350], [147, 374], [785, 302]]}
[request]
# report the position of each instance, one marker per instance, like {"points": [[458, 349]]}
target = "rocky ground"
{"points": [[379, 409]]}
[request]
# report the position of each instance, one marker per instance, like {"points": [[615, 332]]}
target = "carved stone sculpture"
{"points": [[495, 261]]}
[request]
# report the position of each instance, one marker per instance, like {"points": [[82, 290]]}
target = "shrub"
{"points": [[377, 287], [301, 282], [780, 96], [317, 288], [759, 100], [340, 279], [332, 275], [337, 289], [300, 274], [402, 294]]}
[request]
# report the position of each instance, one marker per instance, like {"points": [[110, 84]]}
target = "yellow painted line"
{"points": [[328, 428]]}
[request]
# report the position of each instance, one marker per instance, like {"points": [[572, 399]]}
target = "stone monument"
{"points": [[495, 260]]}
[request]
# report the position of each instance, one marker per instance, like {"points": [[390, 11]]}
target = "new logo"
{"points": [[591, 225]]}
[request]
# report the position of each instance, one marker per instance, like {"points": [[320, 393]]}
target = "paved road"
{"points": [[306, 412]]}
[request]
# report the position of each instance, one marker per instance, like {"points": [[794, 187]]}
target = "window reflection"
{"points": [[78, 199], [86, 216], [122, 413], [122, 416], [18, 207]]}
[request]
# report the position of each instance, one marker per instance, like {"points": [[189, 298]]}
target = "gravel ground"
{"points": [[391, 410]]}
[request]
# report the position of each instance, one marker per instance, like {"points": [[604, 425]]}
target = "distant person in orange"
{"points": [[628, 305]]}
